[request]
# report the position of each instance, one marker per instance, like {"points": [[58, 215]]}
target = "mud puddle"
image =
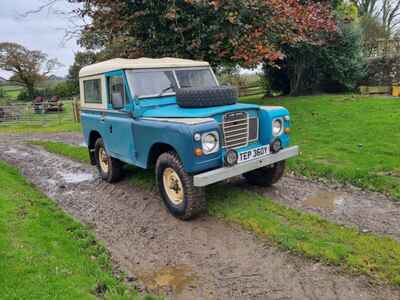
{"points": [[324, 200], [169, 279], [76, 177]]}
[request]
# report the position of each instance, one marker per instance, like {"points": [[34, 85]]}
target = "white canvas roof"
{"points": [[140, 63]]}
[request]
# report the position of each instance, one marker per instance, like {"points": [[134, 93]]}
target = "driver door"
{"points": [[118, 119]]}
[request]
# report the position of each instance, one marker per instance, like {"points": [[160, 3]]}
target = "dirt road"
{"points": [[204, 259]]}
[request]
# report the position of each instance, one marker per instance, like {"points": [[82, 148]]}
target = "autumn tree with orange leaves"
{"points": [[229, 33]]}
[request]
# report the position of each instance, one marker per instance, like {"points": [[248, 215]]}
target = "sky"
{"points": [[43, 31]]}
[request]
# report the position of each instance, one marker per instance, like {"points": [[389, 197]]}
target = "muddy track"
{"points": [[340, 203], [204, 259]]}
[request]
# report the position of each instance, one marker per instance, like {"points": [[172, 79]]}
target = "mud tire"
{"points": [[114, 172], [194, 201], [207, 97], [266, 176]]}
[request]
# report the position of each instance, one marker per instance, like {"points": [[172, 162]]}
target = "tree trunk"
{"points": [[31, 91]]}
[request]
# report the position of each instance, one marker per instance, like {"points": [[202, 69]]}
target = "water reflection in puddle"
{"points": [[176, 277], [76, 177], [324, 200]]}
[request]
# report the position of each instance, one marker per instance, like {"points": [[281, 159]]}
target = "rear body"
{"points": [[132, 106]]}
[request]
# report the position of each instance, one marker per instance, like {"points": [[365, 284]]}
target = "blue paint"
{"points": [[174, 111], [130, 136]]}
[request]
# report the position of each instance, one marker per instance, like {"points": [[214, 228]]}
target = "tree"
{"points": [[82, 59], [228, 33], [367, 8], [386, 11], [28, 66], [390, 13], [332, 67]]}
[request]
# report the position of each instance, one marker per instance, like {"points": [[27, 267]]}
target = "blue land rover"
{"points": [[172, 115]]}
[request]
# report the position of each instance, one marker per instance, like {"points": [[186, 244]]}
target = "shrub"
{"points": [[335, 67], [63, 89]]}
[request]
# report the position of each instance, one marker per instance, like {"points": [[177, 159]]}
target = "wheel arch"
{"points": [[156, 150], [93, 137]]}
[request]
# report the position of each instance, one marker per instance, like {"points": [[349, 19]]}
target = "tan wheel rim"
{"points": [[173, 186], [103, 160]]}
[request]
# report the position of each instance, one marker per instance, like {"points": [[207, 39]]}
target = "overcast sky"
{"points": [[44, 31]]}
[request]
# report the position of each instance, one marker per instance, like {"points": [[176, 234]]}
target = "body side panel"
{"points": [[180, 137]]}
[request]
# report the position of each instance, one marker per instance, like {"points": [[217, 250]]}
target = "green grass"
{"points": [[79, 154], [11, 91], [45, 254], [299, 232], [347, 138]]}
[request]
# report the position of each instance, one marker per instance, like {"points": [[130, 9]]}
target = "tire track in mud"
{"points": [[204, 259]]}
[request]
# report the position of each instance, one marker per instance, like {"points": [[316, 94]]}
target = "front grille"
{"points": [[238, 129]]}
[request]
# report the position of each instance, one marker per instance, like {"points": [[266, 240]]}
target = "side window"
{"points": [[92, 91], [117, 92]]}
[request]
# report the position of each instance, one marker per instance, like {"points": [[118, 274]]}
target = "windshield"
{"points": [[152, 83], [157, 83], [195, 78]]}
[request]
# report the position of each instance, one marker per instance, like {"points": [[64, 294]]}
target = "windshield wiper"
{"points": [[171, 87]]}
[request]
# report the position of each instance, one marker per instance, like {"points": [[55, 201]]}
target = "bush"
{"points": [[2, 93], [64, 89], [335, 67], [23, 95]]}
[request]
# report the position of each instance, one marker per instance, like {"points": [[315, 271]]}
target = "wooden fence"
{"points": [[382, 48], [251, 90]]}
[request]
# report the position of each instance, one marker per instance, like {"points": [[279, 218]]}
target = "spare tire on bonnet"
{"points": [[206, 97]]}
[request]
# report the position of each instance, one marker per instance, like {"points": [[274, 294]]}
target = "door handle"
{"points": [[103, 116]]}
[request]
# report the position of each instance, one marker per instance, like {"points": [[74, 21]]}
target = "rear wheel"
{"points": [[180, 196], [109, 167], [266, 176]]}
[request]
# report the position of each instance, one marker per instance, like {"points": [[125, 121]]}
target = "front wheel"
{"points": [[109, 167], [181, 197], [266, 176]]}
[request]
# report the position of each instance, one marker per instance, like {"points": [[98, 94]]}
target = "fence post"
{"points": [[76, 110], [73, 109]]}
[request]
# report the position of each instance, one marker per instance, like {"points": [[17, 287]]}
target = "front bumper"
{"points": [[217, 175]]}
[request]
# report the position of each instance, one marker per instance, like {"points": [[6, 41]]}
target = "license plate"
{"points": [[251, 154]]}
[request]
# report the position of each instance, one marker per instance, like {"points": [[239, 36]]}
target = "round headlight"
{"points": [[210, 142], [277, 127]]}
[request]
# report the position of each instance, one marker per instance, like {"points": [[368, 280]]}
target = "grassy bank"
{"points": [[303, 233], [352, 139], [44, 254]]}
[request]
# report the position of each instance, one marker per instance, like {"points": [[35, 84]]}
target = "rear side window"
{"points": [[92, 91]]}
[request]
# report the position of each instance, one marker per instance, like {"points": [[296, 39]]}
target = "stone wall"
{"points": [[383, 71]]}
